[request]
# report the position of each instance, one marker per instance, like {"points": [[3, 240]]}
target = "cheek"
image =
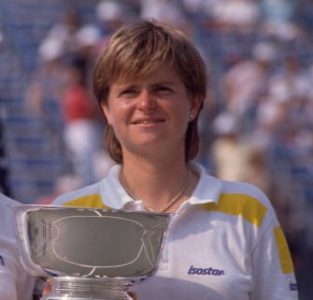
{"points": [[184, 111], [181, 117], [118, 117]]}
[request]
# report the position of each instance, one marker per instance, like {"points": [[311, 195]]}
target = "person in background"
{"points": [[15, 283], [83, 131], [224, 240]]}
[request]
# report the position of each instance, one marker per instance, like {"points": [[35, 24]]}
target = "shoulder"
{"points": [[244, 188], [93, 195], [87, 196], [7, 218], [235, 199], [15, 283], [7, 202], [249, 202], [216, 188], [247, 193]]}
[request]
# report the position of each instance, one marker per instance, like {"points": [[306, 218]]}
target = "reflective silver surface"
{"points": [[91, 253], [75, 288]]}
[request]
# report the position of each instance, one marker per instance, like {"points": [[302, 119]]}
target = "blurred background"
{"points": [[256, 125]]}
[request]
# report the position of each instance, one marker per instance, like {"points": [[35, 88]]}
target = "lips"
{"points": [[148, 121]]}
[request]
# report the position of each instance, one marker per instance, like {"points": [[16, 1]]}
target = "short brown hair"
{"points": [[135, 51]]}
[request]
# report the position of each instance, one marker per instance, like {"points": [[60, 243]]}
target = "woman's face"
{"points": [[150, 113]]}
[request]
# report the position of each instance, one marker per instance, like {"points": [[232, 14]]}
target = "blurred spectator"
{"points": [[83, 132], [279, 11], [239, 15], [279, 19], [109, 16], [246, 81], [166, 11], [49, 80], [88, 38], [59, 92], [236, 159], [62, 37], [289, 81], [46, 86], [270, 115], [228, 150], [43, 94]]}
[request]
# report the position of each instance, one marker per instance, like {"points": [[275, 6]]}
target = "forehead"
{"points": [[162, 73]]}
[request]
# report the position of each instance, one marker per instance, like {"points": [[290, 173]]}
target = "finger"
{"points": [[47, 287], [132, 295]]}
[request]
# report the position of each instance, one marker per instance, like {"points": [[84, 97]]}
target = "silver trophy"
{"points": [[90, 253]]}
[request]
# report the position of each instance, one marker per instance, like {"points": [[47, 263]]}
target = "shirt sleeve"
{"points": [[7, 285], [273, 271], [15, 283]]}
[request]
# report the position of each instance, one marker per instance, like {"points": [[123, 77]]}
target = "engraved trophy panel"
{"points": [[90, 253]]}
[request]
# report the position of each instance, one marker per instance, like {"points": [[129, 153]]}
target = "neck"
{"points": [[155, 183]]}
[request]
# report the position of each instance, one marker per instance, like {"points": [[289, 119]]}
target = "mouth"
{"points": [[148, 121]]}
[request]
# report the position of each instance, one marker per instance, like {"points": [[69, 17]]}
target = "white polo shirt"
{"points": [[224, 242], [15, 283]]}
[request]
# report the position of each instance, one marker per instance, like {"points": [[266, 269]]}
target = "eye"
{"points": [[128, 92], [163, 89]]}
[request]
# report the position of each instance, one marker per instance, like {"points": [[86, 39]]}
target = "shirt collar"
{"points": [[113, 193], [207, 190]]}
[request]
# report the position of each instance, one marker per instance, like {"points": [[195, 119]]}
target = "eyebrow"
{"points": [[163, 83], [130, 85]]}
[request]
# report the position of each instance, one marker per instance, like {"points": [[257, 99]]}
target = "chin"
{"points": [[148, 139], [145, 145]]}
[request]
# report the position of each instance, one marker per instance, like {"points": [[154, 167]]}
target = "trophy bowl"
{"points": [[89, 253]]}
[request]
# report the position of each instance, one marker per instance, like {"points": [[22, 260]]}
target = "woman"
{"points": [[15, 283], [224, 241]]}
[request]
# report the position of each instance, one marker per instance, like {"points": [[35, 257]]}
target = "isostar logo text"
{"points": [[205, 271]]}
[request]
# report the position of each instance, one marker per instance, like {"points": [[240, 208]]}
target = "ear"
{"points": [[106, 111], [195, 107]]}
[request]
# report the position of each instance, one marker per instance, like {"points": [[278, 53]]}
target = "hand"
{"points": [[47, 288], [132, 296]]}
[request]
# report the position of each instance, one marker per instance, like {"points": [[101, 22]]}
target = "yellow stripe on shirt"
{"points": [[283, 251], [243, 205], [93, 201]]}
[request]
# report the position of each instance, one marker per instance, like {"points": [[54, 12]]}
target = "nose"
{"points": [[146, 100]]}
